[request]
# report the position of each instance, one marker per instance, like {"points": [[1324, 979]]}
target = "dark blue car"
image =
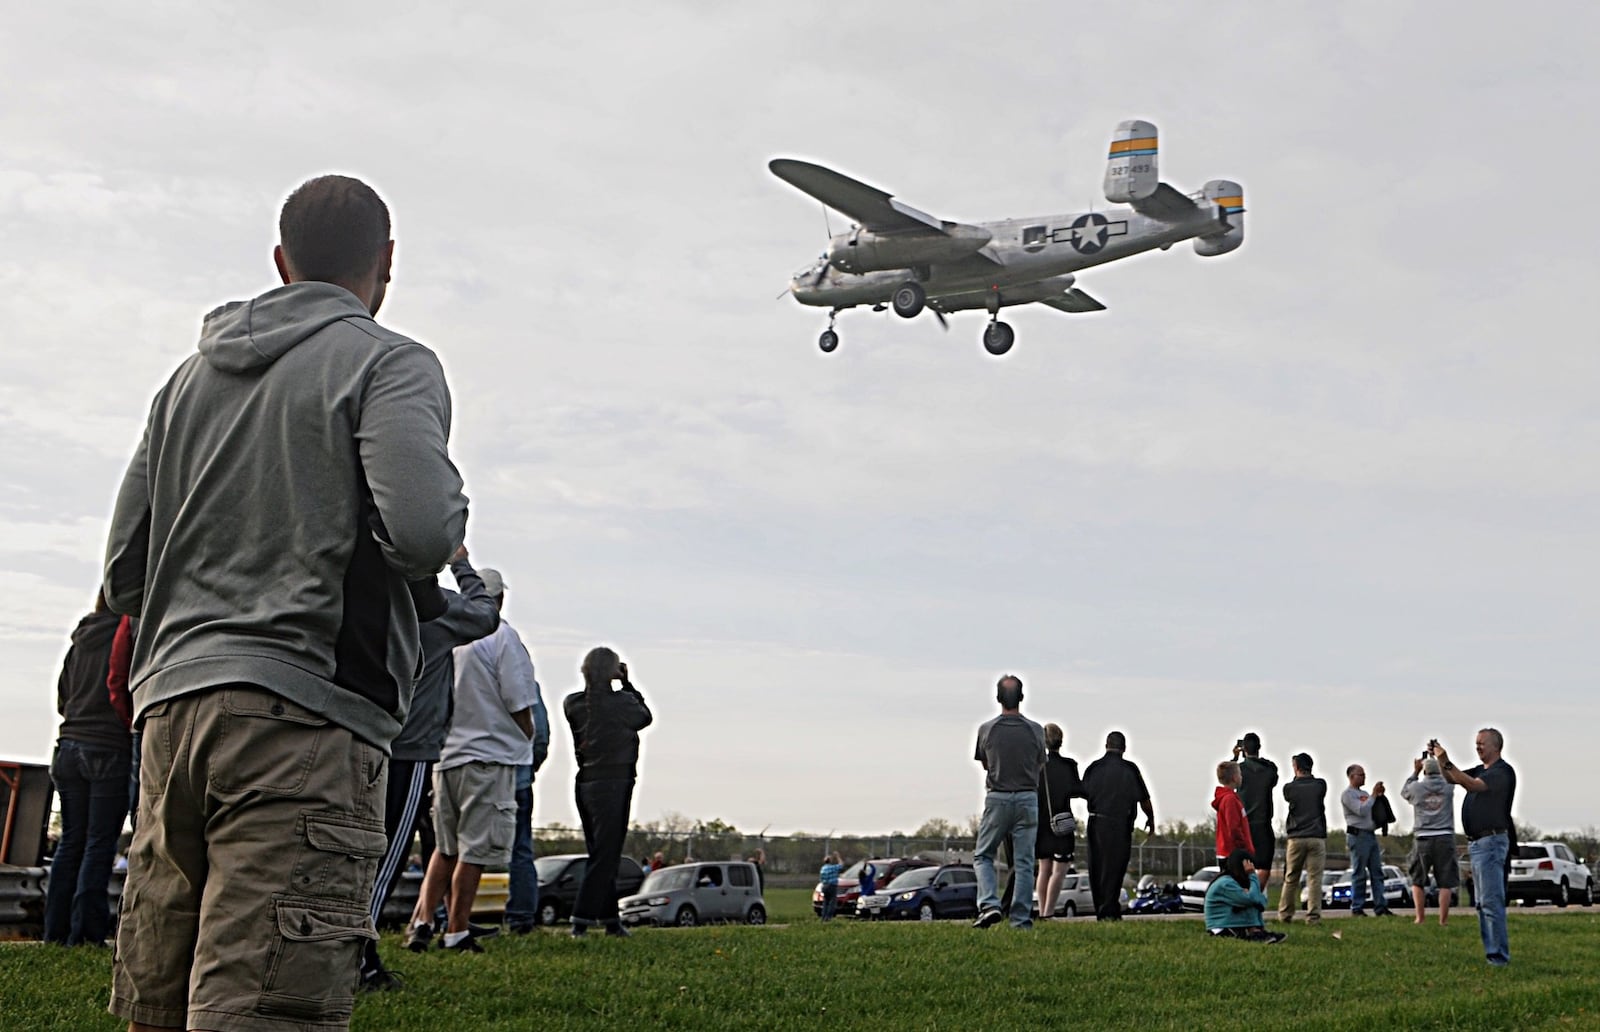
{"points": [[925, 894]]}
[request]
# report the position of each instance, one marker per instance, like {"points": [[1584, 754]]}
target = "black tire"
{"points": [[828, 341], [1563, 893], [756, 915], [926, 911], [998, 338], [686, 917], [549, 913], [1588, 893], [908, 300], [1070, 910]]}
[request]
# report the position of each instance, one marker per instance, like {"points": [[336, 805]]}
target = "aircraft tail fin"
{"points": [[1131, 172], [1228, 196]]}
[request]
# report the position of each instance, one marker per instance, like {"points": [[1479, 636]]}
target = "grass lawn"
{"points": [[1379, 974]]}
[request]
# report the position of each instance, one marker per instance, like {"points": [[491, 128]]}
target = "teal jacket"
{"points": [[1229, 906]]}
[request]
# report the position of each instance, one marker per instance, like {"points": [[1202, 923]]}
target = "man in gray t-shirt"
{"points": [[1434, 848], [1011, 749]]}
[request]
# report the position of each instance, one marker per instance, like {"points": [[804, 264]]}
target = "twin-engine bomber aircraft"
{"points": [[899, 256]]}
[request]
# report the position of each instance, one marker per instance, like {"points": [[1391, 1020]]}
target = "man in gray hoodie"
{"points": [[281, 520], [1434, 829]]}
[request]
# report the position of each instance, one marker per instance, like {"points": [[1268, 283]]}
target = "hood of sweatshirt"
{"points": [[1217, 797], [243, 336]]}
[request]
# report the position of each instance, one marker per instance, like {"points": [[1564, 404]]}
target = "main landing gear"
{"points": [[829, 340], [909, 299], [997, 336]]}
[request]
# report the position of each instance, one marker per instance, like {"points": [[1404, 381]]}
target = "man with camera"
{"points": [[1491, 835], [1114, 787], [1305, 840], [1361, 834], [1434, 828], [1260, 777]]}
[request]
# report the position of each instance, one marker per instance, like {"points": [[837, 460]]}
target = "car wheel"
{"points": [[757, 915], [1563, 893], [1070, 910], [926, 912], [549, 914], [1588, 893], [686, 918]]}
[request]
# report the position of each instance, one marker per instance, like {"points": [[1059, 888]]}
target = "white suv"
{"points": [[1548, 870]]}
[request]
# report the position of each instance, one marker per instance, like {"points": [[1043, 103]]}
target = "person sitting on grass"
{"points": [[1235, 902]]}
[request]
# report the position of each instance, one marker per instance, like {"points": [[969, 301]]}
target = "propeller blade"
{"points": [[940, 316]]}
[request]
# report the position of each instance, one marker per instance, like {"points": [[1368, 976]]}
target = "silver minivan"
{"points": [[695, 893]]}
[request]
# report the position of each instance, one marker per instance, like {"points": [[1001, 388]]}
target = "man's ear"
{"points": [[386, 262], [282, 263]]}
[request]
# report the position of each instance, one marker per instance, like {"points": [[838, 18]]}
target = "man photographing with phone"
{"points": [[1491, 835]]}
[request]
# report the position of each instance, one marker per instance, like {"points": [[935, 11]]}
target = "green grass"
{"points": [[1081, 975]]}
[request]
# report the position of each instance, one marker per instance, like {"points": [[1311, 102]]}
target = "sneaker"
{"points": [[579, 931], [1358, 913], [418, 937], [482, 932], [616, 931], [521, 928], [468, 944], [1385, 912], [381, 980], [988, 919], [1273, 938]]}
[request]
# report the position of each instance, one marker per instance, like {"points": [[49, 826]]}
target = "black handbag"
{"points": [[1061, 824]]}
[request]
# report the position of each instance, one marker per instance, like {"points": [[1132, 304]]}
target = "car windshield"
{"points": [[1206, 874], [549, 868], [914, 879], [1332, 877], [668, 879], [1532, 853]]}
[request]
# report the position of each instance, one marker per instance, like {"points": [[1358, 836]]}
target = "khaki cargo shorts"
{"points": [[249, 877], [475, 811]]}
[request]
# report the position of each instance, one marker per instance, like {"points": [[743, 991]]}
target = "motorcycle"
{"points": [[1156, 899]]}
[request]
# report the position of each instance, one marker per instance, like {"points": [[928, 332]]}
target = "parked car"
{"points": [[889, 868], [926, 894], [1548, 870], [560, 876], [1075, 896], [1193, 888], [1396, 889], [697, 893], [1329, 879]]}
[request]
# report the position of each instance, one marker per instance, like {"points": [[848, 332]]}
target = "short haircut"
{"points": [[1251, 742], [1495, 736], [1008, 691], [1227, 770], [1116, 741], [333, 229], [1351, 769], [1302, 762], [1053, 736]]}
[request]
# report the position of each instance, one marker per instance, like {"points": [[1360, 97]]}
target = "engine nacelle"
{"points": [[1131, 172], [862, 250], [1228, 196]]}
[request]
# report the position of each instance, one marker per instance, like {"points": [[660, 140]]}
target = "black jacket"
{"points": [[82, 698], [605, 727]]}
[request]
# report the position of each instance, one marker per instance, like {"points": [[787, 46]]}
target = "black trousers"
{"points": [[603, 809], [1110, 849], [410, 791]]}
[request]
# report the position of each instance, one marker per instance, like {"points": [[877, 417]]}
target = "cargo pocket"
{"points": [[315, 961], [503, 832], [338, 858]]}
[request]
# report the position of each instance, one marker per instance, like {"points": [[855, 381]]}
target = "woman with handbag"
{"points": [[1057, 836]]}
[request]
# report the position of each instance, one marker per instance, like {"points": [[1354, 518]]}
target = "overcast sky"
{"points": [[1339, 487]]}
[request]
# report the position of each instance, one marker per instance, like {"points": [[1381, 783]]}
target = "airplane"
{"points": [[898, 256]]}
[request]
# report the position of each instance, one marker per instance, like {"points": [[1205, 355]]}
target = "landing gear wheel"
{"points": [[998, 338], [686, 918], [908, 300], [926, 912], [828, 341]]}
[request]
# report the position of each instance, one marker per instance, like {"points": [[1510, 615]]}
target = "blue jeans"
{"points": [[830, 901], [1366, 863], [522, 896], [93, 785], [1014, 815], [1489, 889]]}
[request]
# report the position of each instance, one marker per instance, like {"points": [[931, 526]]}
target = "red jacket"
{"points": [[1233, 829]]}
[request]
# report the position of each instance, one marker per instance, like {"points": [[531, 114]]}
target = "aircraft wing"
{"points": [[1073, 300], [869, 206]]}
